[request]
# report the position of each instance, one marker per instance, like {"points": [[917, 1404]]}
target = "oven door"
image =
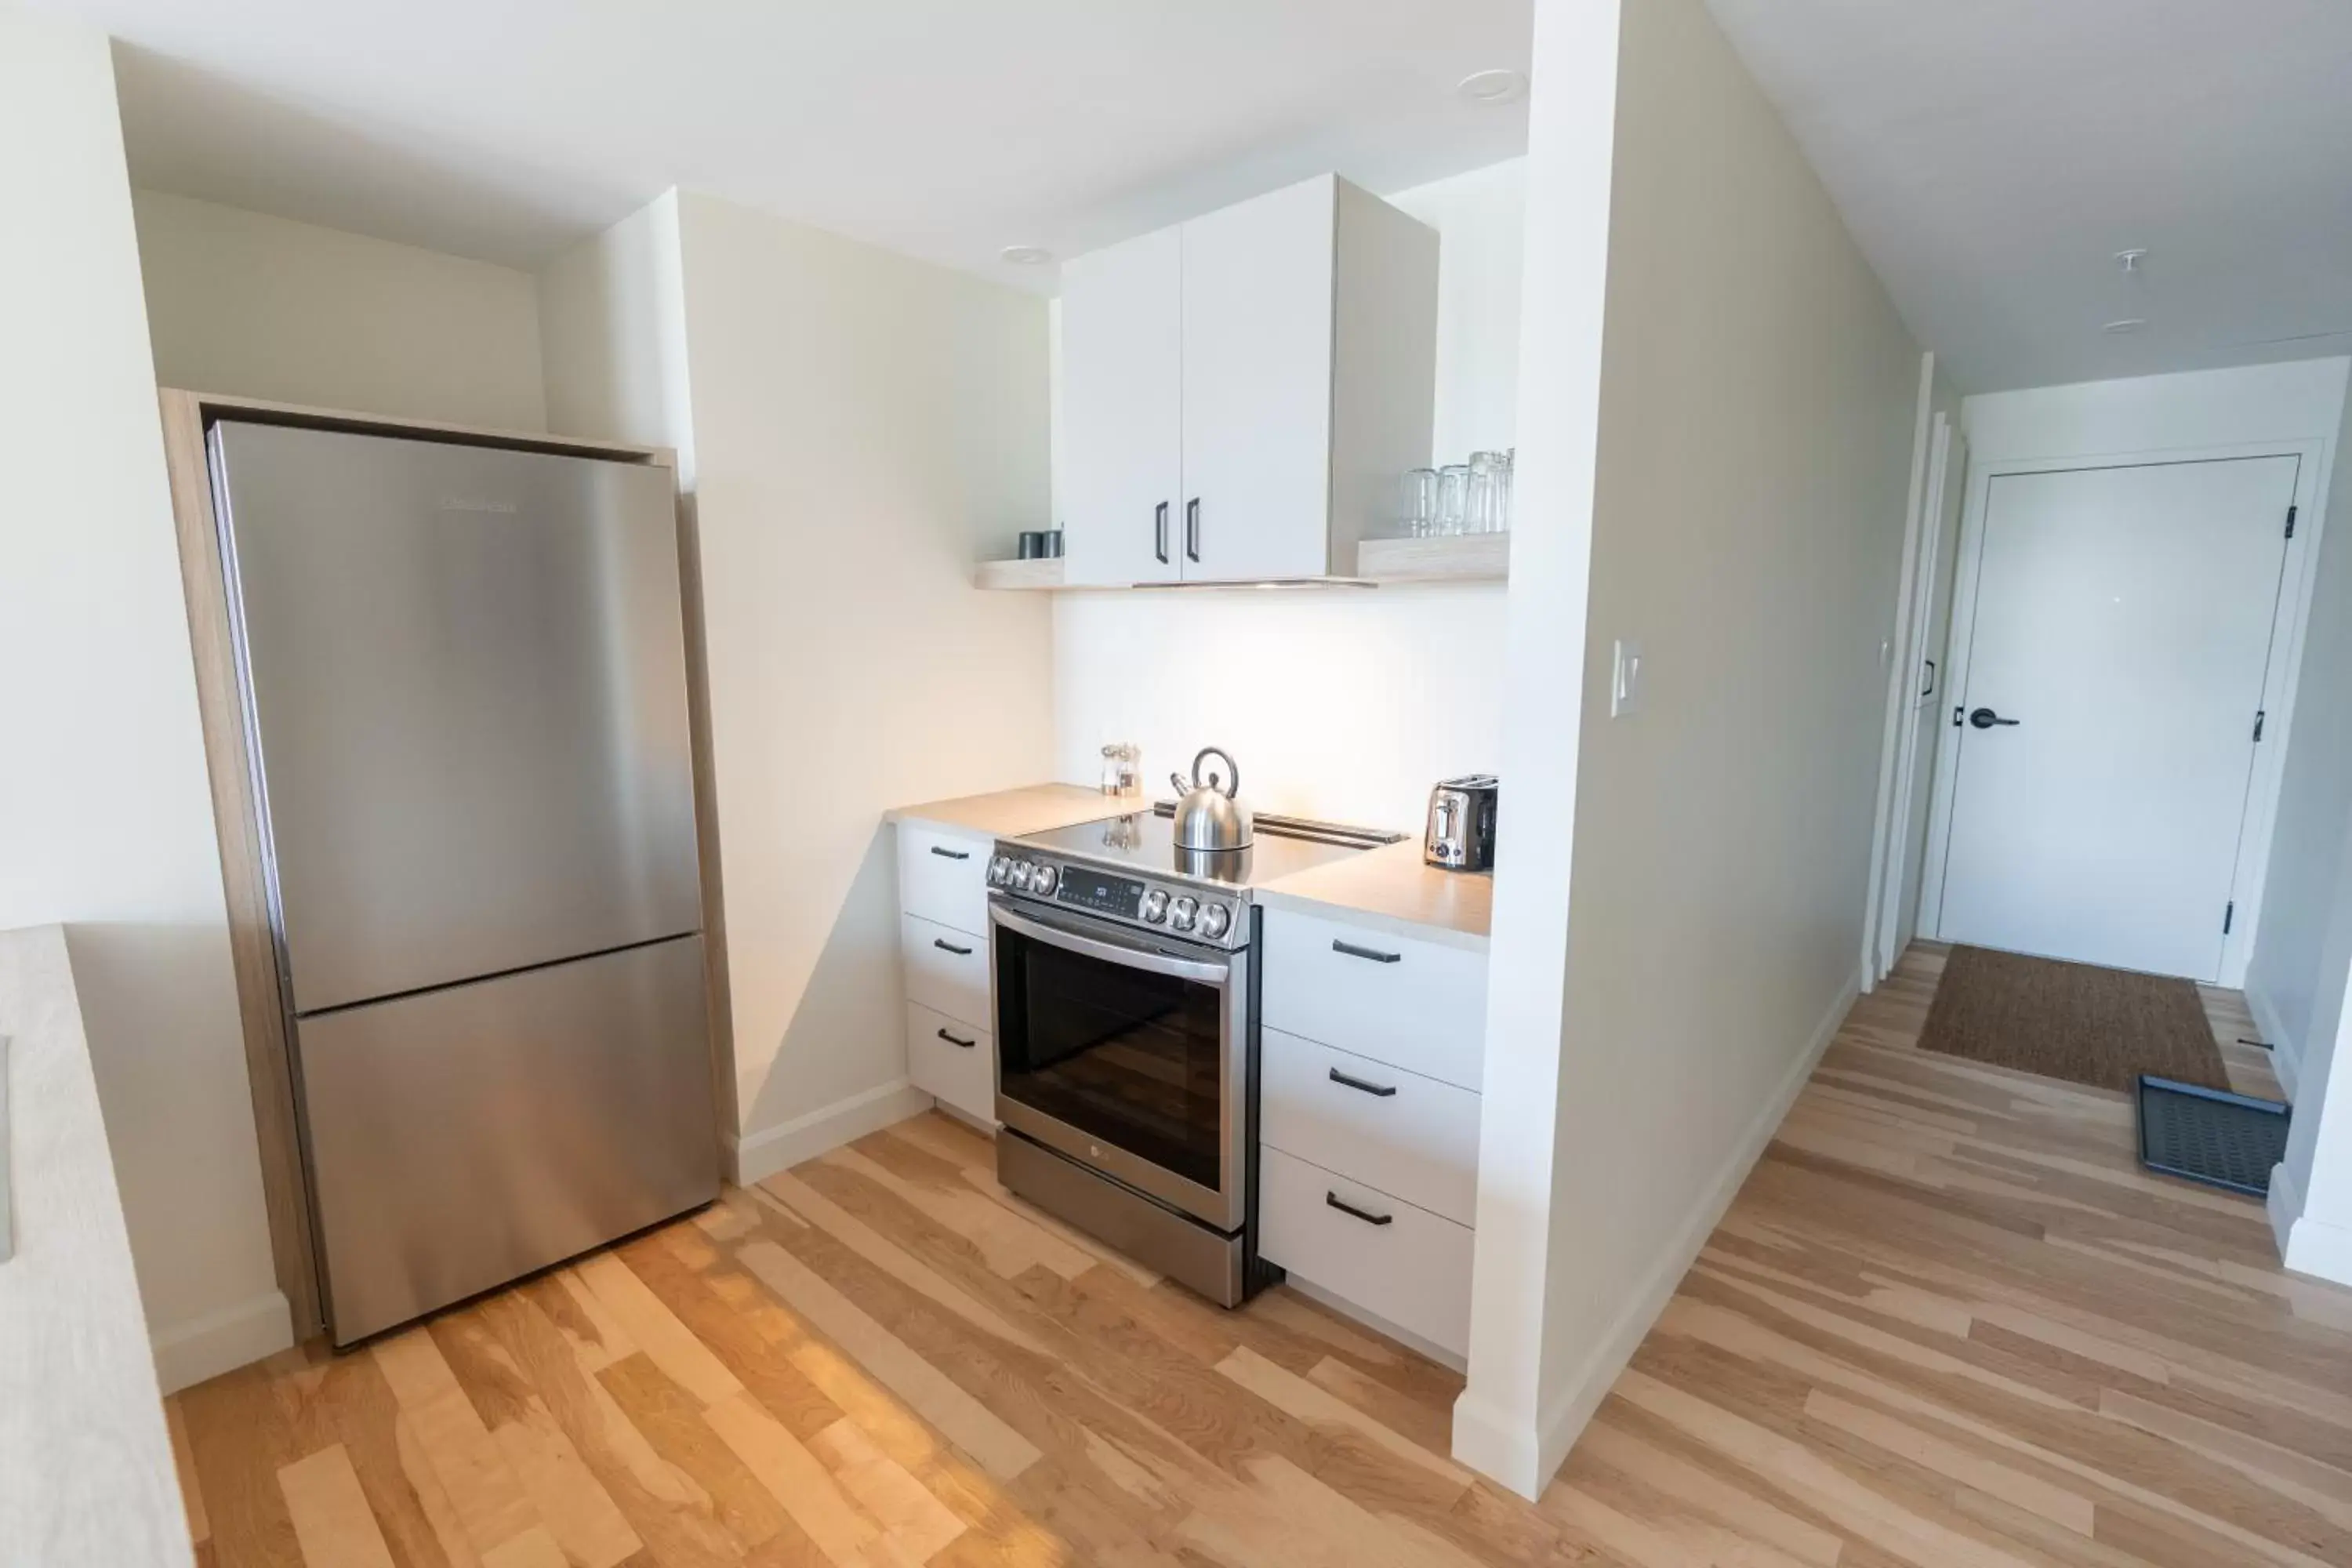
{"points": [[1128, 1053]]}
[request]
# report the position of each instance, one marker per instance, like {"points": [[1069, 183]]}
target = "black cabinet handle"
{"points": [[1352, 951], [1333, 1199], [950, 853], [1159, 533], [944, 945], [950, 1039], [1378, 1090], [1192, 529]]}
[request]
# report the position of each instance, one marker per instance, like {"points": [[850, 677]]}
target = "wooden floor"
{"points": [[1947, 1321]]}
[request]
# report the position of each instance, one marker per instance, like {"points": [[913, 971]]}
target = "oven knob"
{"points": [[1043, 879], [1180, 918], [1000, 870], [1020, 874], [1215, 917], [1155, 906]]}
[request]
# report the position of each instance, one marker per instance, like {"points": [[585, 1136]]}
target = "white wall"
{"points": [[2296, 405], [2296, 981], [265, 307], [1341, 704], [863, 427], [105, 815], [1747, 493]]}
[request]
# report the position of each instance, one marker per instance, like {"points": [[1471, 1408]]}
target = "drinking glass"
{"points": [[1485, 511], [1417, 497], [1453, 498]]}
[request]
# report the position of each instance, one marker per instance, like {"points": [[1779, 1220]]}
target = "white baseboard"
{"points": [[2283, 1205], [222, 1342], [2286, 1056], [780, 1148], [2321, 1250], [1525, 1461]]}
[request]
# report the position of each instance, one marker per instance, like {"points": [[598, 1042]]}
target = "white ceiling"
{"points": [[1990, 156], [947, 129]]}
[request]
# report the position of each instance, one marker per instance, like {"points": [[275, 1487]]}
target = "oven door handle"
{"points": [[1120, 953]]}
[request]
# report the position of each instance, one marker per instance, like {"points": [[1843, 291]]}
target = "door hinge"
{"points": [[2228, 913], [2289, 523], [2258, 715]]}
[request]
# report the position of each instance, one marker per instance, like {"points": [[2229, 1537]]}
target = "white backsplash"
{"points": [[1344, 704]]}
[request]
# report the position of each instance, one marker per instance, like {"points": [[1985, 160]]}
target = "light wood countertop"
{"points": [[1008, 813], [88, 1475], [1392, 887]]}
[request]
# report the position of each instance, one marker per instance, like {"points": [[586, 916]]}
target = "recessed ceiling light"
{"points": [[2129, 325], [1493, 86], [1027, 255]]}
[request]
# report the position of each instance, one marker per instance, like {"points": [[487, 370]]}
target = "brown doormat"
{"points": [[2074, 1021]]}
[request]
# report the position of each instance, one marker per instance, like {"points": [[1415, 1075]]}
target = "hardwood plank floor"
{"points": [[1947, 1321]]}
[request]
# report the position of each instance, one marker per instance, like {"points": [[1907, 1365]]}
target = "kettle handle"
{"points": [[1232, 783]]}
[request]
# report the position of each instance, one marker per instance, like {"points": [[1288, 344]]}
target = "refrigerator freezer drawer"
{"points": [[462, 1137]]}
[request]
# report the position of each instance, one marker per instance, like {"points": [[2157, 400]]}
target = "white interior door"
{"points": [[2121, 629], [1257, 386], [1122, 411]]}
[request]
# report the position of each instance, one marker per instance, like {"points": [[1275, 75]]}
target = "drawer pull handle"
{"points": [[950, 1039], [944, 945], [950, 853], [1377, 956], [1333, 1199], [1378, 1090]]}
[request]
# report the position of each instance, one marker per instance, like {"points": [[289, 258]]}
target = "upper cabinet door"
{"points": [[1122, 412], [1257, 322]]}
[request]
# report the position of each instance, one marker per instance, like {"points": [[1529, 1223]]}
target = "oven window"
{"points": [[1123, 1054]]}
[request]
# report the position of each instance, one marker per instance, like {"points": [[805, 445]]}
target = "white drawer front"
{"points": [[1414, 1136], [1415, 1270], [942, 877], [947, 970], [1415, 1004], [940, 1064]]}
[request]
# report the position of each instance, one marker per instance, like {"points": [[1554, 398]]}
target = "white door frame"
{"points": [[1899, 651], [2280, 676], [1917, 709]]}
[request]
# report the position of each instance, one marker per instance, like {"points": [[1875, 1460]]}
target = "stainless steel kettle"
{"points": [[1210, 816]]}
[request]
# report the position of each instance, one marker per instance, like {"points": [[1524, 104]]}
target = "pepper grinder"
{"points": [[1122, 771]]}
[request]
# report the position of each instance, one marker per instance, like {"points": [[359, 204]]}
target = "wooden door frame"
{"points": [[2281, 677], [1943, 440], [187, 416], [1893, 653]]}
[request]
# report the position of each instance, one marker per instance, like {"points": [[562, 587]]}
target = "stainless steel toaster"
{"points": [[1461, 835]]}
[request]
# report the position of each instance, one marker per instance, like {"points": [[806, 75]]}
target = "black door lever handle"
{"points": [[1985, 719]]}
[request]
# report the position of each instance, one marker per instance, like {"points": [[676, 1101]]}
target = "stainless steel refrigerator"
{"points": [[463, 670]]}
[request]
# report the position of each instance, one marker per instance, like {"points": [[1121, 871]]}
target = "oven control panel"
{"points": [[1181, 909]]}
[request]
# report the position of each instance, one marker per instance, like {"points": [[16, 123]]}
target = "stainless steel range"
{"points": [[1126, 980]]}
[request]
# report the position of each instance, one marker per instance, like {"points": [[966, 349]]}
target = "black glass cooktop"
{"points": [[1146, 842]]}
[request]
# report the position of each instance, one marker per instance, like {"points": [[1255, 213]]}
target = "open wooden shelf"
{"points": [[1453, 558], [1458, 558], [1044, 574]]}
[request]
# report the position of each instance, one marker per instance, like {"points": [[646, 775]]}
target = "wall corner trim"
{"points": [[236, 1336], [1525, 1460], [759, 1154]]}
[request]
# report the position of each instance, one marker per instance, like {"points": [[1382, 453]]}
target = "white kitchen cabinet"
{"points": [[1404, 1265], [1242, 393], [943, 948], [1369, 1118], [1122, 411]]}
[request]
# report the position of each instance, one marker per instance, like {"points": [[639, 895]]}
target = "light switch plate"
{"points": [[1625, 680]]}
